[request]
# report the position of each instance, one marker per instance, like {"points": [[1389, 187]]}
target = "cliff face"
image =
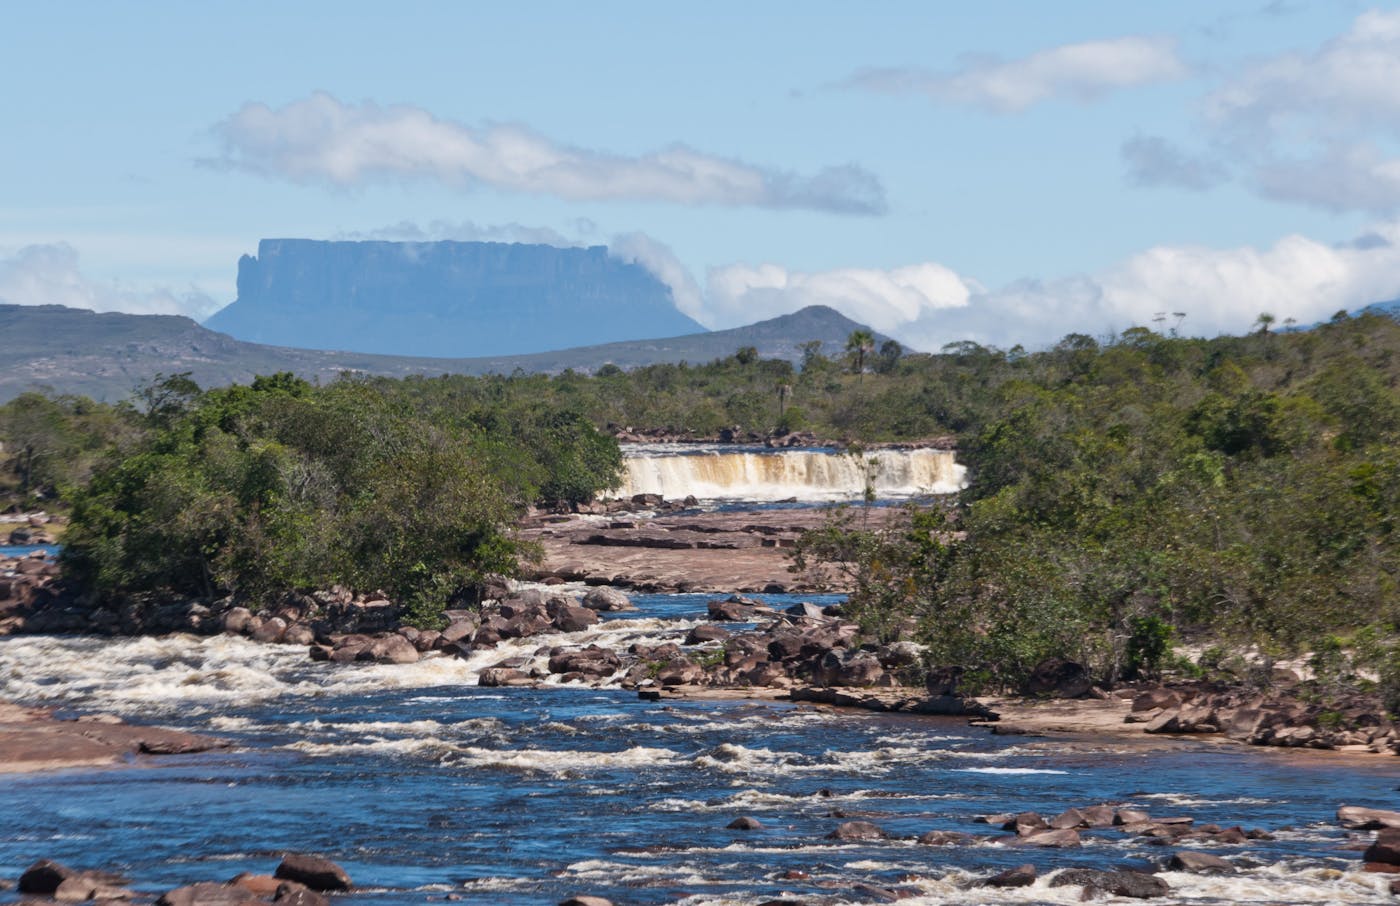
{"points": [[446, 299]]}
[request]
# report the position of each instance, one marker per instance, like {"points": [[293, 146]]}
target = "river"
{"points": [[423, 784]]}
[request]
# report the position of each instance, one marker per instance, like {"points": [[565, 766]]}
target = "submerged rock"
{"points": [[1113, 883]]}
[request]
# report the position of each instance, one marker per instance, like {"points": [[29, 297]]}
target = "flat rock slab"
{"points": [[32, 740]]}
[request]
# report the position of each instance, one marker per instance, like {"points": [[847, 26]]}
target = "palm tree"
{"points": [[859, 344]]}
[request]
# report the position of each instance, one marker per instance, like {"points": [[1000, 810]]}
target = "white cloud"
{"points": [[319, 139], [49, 275], [1320, 128], [639, 248], [928, 305], [884, 299], [1083, 71]]}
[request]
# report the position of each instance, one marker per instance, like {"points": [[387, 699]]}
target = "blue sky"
{"points": [[1005, 172]]}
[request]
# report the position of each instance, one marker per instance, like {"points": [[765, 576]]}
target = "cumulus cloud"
{"points": [[1319, 128], [49, 275], [929, 305], [884, 299], [657, 257], [1154, 161], [319, 139], [1082, 71]]}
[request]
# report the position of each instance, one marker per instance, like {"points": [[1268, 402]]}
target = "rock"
{"points": [[857, 830], [1025, 823], [679, 672], [1070, 818], [593, 662], [871, 892], [585, 901], [1058, 839], [1130, 816], [1114, 883], [729, 612], [458, 630], [503, 676], [1153, 699], [1058, 678], [393, 649], [314, 871], [1098, 815], [299, 634], [1020, 876], [944, 838], [44, 876], [236, 620], [706, 633], [1386, 848], [290, 893], [607, 599], [1354, 817], [208, 893], [744, 824], [1203, 863], [569, 618], [271, 631], [257, 885]]}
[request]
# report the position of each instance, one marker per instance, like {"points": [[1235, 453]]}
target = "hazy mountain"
{"points": [[105, 356], [450, 299]]}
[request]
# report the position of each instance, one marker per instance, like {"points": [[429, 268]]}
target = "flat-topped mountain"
{"points": [[444, 299], [106, 356]]}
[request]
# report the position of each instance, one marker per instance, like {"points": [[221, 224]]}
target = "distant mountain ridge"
{"points": [[105, 356], [444, 299]]}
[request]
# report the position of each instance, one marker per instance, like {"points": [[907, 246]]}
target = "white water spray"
{"points": [[806, 475]]}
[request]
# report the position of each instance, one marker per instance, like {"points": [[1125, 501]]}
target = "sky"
{"points": [[999, 172]]}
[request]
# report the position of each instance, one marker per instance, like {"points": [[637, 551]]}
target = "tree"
{"points": [[859, 344], [746, 355]]}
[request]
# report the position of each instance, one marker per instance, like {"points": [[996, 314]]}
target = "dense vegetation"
{"points": [[1240, 490], [279, 486], [1127, 492]]}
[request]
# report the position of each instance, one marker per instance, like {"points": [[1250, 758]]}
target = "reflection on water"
{"points": [[422, 783]]}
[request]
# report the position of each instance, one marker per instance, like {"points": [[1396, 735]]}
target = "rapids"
{"points": [[723, 473], [423, 784]]}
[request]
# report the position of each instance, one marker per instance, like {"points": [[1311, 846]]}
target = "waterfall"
{"points": [[716, 474]]}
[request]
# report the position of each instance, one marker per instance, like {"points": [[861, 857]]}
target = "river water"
{"points": [[424, 785]]}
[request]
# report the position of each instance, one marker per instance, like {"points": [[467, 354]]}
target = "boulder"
{"points": [[236, 620], [290, 893], [1070, 818], [1152, 699], [569, 618], [1354, 817], [270, 631], [298, 634], [44, 876], [585, 901], [745, 823], [393, 649], [1057, 839], [593, 662], [729, 612], [679, 672], [944, 838], [857, 830], [1201, 863], [1386, 848], [1020, 876], [314, 871], [208, 893], [1130, 816], [1025, 823], [503, 676], [257, 885], [1058, 678], [606, 599], [458, 630], [1131, 884], [706, 633]]}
